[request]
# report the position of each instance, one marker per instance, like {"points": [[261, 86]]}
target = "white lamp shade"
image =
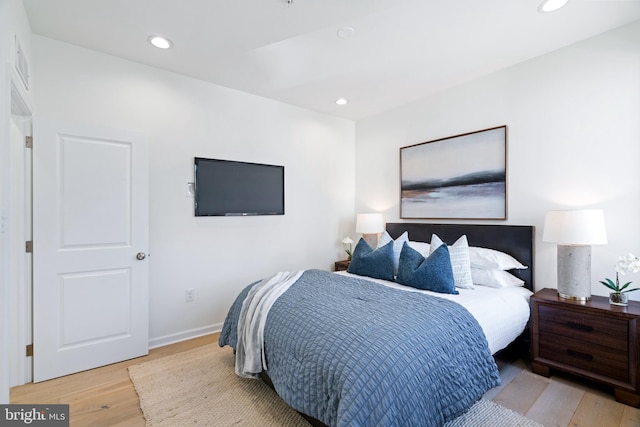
{"points": [[371, 223], [575, 227]]}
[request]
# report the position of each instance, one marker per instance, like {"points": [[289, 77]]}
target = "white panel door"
{"points": [[90, 227]]}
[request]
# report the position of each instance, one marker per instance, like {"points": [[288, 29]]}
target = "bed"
{"points": [[350, 350]]}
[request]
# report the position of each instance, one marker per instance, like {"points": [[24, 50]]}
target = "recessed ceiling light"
{"points": [[160, 42], [341, 101], [345, 32], [551, 5]]}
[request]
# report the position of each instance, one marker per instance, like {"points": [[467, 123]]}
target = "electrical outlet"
{"points": [[189, 295]]}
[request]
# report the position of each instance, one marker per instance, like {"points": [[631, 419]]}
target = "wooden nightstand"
{"points": [[341, 265], [595, 340]]}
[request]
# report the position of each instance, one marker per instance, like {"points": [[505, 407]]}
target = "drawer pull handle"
{"points": [[580, 327], [579, 355]]}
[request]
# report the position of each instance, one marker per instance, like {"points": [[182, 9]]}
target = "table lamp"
{"points": [[370, 225], [575, 231]]}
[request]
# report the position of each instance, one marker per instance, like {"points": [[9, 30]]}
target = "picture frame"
{"points": [[457, 177]]}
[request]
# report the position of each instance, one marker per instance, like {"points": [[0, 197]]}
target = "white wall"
{"points": [[13, 21], [182, 118], [573, 120], [574, 140]]}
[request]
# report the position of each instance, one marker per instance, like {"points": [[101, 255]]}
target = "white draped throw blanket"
{"points": [[250, 358]]}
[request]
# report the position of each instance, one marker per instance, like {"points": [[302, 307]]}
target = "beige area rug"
{"points": [[200, 387]]}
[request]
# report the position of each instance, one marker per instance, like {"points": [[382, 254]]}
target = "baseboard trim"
{"points": [[183, 336]]}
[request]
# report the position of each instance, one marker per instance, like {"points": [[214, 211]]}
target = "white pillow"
{"points": [[460, 264], [495, 278], [491, 259], [397, 246], [422, 247]]}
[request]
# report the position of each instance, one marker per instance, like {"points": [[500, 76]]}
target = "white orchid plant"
{"points": [[347, 242], [626, 264]]}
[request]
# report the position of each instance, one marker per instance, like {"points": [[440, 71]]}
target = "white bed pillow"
{"points": [[495, 278], [422, 247], [397, 246], [491, 259], [460, 263]]}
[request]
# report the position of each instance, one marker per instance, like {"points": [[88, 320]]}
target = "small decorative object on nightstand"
{"points": [[625, 264], [347, 242], [592, 339], [341, 265]]}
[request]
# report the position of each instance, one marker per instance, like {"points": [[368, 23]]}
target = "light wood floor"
{"points": [[106, 397], [103, 396], [561, 400]]}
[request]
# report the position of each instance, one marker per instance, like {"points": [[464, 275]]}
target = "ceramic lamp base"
{"points": [[574, 272], [371, 239]]}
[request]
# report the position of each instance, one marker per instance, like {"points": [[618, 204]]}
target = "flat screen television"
{"points": [[230, 188]]}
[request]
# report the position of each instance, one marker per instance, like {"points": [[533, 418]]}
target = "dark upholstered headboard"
{"points": [[516, 240]]}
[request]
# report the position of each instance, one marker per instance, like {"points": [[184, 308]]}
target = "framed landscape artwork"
{"points": [[459, 177]]}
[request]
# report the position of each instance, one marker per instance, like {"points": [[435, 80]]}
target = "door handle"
{"points": [[140, 256]]}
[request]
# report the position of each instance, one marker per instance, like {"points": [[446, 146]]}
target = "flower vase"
{"points": [[618, 298]]}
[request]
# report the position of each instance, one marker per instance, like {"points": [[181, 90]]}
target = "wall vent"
{"points": [[21, 64]]}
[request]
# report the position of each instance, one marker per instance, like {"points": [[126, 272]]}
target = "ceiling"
{"points": [[289, 50]]}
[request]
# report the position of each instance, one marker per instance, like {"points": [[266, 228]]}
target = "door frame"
{"points": [[20, 262], [17, 304]]}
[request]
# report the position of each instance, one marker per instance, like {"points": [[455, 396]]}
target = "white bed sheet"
{"points": [[502, 313]]}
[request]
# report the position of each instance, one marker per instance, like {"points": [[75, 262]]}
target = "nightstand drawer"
{"points": [[585, 355], [604, 330], [593, 339]]}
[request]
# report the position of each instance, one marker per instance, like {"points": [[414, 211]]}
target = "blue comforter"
{"points": [[350, 352]]}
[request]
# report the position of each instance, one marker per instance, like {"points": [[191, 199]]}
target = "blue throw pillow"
{"points": [[367, 262], [432, 274]]}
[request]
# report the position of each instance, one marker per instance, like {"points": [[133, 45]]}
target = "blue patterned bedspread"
{"points": [[350, 352]]}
